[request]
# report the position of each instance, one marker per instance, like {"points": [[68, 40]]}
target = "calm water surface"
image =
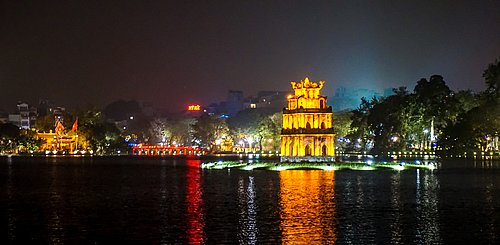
{"points": [[173, 201]]}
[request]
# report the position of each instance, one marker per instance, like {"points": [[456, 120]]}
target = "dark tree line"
{"points": [[432, 117]]}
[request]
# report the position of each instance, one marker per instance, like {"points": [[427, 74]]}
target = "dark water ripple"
{"points": [[168, 201]]}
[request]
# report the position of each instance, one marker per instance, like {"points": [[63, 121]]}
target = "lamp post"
{"points": [[425, 139]]}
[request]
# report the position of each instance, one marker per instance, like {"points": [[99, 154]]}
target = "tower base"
{"points": [[308, 159]]}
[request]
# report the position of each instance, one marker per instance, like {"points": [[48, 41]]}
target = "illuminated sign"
{"points": [[195, 107]]}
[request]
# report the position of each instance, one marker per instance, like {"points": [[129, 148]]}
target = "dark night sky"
{"points": [[172, 53]]}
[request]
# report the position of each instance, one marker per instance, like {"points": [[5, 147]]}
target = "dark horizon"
{"points": [[175, 53]]}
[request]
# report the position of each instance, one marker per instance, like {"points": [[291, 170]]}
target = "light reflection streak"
{"points": [[307, 200], [395, 225], [427, 230], [490, 207], [55, 227], [248, 212], [194, 201], [10, 206], [163, 204]]}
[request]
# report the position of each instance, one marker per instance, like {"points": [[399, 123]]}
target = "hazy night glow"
{"points": [[180, 52]]}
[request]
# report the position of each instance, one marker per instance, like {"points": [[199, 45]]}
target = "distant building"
{"points": [[272, 99], [350, 98], [25, 116], [275, 100], [234, 102]]}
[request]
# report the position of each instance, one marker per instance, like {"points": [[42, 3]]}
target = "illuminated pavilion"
{"points": [[307, 133]]}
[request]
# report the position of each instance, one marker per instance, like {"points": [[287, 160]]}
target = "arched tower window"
{"points": [[307, 150], [322, 104], [308, 125], [324, 150], [323, 125]]}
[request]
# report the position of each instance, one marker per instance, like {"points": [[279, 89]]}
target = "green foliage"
{"points": [[45, 123], [261, 125], [15, 140], [209, 128], [433, 113], [492, 78], [169, 131], [98, 135], [342, 125]]}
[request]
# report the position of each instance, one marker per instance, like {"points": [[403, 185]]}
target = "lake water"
{"points": [[172, 201]]}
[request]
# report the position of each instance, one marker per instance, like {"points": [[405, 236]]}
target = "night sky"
{"points": [[173, 53]]}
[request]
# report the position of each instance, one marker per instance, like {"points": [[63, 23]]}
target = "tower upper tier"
{"points": [[307, 95]]}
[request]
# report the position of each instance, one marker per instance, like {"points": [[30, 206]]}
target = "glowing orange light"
{"points": [[194, 107]]}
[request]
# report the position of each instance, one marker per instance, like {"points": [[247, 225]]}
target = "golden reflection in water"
{"points": [[307, 200]]}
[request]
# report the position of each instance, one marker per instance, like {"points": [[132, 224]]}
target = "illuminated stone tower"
{"points": [[307, 133]]}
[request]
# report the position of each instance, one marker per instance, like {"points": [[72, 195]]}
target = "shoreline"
{"points": [[265, 157]]}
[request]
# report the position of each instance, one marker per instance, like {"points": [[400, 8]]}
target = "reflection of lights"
{"points": [[298, 190], [418, 178], [329, 168], [280, 168], [194, 207]]}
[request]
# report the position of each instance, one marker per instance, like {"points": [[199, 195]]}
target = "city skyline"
{"points": [[173, 54]]}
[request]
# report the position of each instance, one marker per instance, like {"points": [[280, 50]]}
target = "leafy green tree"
{"points": [[478, 122], [98, 135], [27, 141], [492, 79], [45, 123], [385, 121], [263, 125], [342, 126], [361, 137], [208, 129], [8, 137]]}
